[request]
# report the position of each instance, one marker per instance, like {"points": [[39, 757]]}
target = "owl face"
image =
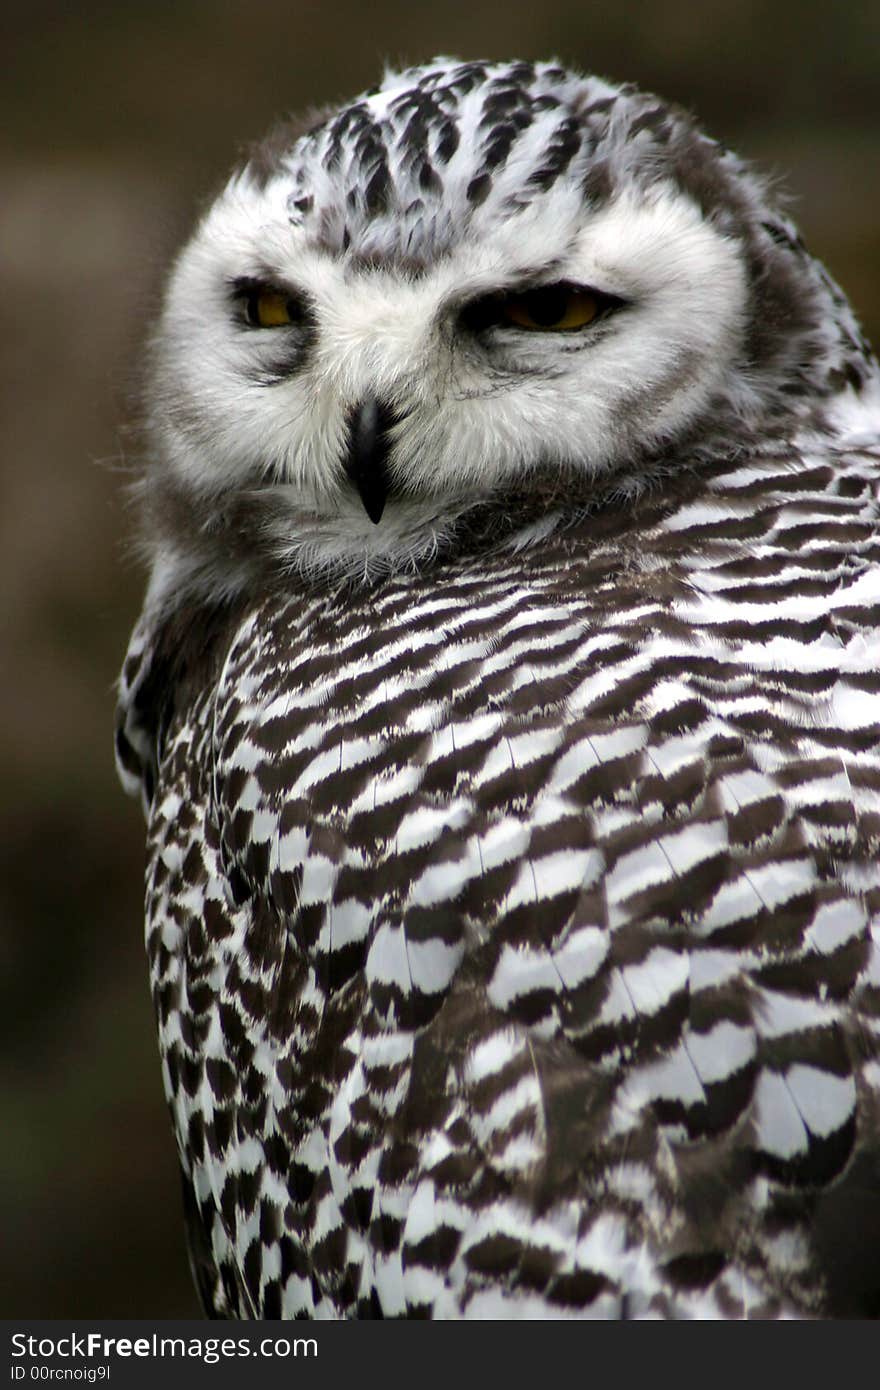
{"points": [[475, 283]]}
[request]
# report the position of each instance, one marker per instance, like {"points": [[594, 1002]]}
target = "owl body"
{"points": [[505, 706]]}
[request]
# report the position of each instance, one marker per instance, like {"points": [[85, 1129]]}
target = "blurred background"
{"points": [[116, 120]]}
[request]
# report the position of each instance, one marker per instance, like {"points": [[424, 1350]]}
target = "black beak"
{"points": [[368, 447]]}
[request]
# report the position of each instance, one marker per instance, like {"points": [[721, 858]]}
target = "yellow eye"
{"points": [[270, 309], [551, 308], [559, 308]]}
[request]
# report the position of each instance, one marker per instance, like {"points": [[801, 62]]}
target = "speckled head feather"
{"points": [[388, 223], [506, 711]]}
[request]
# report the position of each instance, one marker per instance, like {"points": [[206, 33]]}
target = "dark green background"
{"points": [[115, 120]]}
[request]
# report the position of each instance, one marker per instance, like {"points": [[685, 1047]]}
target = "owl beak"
{"points": [[369, 426]]}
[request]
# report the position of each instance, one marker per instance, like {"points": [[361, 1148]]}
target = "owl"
{"points": [[506, 710]]}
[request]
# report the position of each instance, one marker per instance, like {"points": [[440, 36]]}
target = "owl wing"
{"points": [[162, 758], [513, 950]]}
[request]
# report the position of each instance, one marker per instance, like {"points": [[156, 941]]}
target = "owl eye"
{"points": [[265, 307], [560, 308], [554, 308]]}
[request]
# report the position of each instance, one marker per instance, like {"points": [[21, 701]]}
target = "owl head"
{"points": [[493, 289]]}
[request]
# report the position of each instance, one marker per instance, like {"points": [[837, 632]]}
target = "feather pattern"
{"points": [[513, 926]]}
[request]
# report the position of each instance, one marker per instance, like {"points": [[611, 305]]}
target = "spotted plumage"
{"points": [[506, 709]]}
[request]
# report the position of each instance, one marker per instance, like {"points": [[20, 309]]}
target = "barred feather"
{"points": [[513, 925]]}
